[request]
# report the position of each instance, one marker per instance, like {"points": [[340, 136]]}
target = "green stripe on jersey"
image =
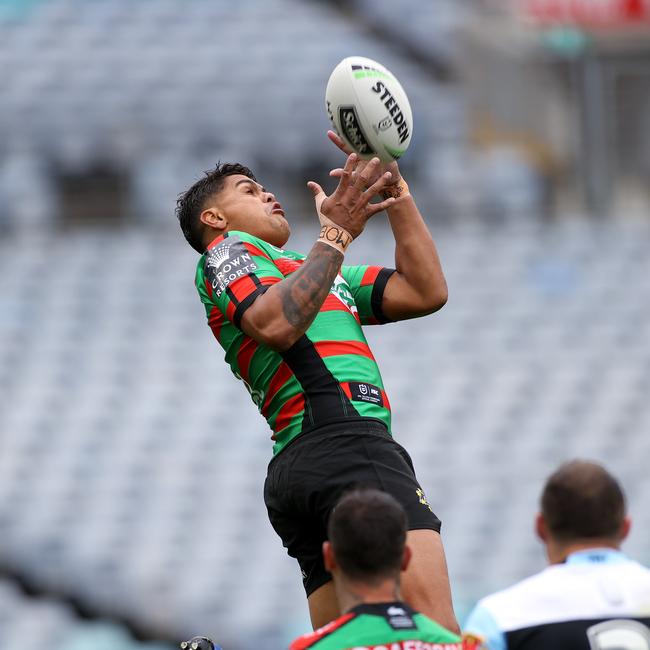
{"points": [[365, 631]]}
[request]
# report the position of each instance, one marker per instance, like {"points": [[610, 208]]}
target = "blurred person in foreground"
{"points": [[366, 553], [291, 326], [591, 597]]}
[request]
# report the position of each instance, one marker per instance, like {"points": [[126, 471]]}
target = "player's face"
{"points": [[248, 207]]}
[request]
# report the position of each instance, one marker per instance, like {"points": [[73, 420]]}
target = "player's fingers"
{"points": [[374, 208], [336, 173], [376, 187], [364, 176], [344, 179], [315, 188], [319, 194], [369, 174], [338, 141]]}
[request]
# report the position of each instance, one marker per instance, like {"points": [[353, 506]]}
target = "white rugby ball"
{"points": [[369, 109]]}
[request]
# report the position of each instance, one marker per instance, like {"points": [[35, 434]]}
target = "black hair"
{"points": [[191, 203], [582, 500], [367, 531]]}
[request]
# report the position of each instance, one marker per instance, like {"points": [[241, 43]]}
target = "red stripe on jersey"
{"points": [[370, 275], [242, 288], [280, 378], [292, 407], [230, 311], [244, 356], [216, 321], [333, 303], [346, 389], [269, 280], [385, 398], [286, 265], [215, 242], [254, 250], [334, 348], [308, 640], [208, 287]]}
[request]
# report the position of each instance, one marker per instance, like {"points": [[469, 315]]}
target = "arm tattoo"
{"points": [[304, 291]]}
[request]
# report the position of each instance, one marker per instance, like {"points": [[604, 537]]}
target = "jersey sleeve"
{"points": [[480, 623], [367, 284], [234, 272]]}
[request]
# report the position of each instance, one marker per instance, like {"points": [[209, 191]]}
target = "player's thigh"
{"points": [[323, 605], [425, 583]]}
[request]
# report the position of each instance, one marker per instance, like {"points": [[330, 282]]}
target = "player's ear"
{"points": [[214, 218], [540, 527], [625, 528], [406, 558], [328, 557]]}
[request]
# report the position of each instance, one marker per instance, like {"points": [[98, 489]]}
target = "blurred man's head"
{"points": [[367, 538], [230, 198], [582, 505]]}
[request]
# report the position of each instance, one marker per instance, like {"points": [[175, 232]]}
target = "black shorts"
{"points": [[306, 479]]}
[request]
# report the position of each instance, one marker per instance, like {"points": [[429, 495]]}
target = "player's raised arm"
{"points": [[281, 315], [419, 286]]}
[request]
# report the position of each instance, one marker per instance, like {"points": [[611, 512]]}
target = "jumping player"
{"points": [[365, 555], [291, 326]]}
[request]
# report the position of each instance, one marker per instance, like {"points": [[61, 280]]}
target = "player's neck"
{"points": [[350, 594], [558, 552]]}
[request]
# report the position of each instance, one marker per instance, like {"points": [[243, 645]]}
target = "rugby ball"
{"points": [[369, 109]]}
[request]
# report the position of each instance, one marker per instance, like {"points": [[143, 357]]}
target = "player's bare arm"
{"points": [[280, 316], [419, 286]]}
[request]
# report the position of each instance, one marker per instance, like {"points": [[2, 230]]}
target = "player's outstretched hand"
{"points": [[391, 167], [349, 205]]}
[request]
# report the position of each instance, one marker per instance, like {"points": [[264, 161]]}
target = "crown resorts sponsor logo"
{"points": [[226, 263], [394, 110]]}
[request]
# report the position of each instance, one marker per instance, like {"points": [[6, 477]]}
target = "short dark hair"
{"points": [[367, 531], [582, 500], [191, 203]]}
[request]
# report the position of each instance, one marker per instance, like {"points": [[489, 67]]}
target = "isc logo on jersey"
{"points": [[369, 109]]}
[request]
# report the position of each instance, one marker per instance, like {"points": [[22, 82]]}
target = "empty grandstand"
{"points": [[125, 521]]}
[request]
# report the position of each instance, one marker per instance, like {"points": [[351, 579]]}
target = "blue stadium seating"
{"points": [[132, 461]]}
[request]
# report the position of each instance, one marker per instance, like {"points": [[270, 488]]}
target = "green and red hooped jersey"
{"points": [[329, 374], [382, 626]]}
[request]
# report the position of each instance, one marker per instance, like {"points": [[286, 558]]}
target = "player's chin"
{"points": [[279, 237], [283, 233]]}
